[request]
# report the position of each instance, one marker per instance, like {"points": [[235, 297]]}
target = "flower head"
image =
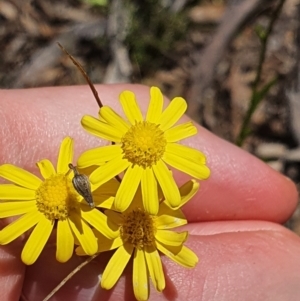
{"points": [[142, 235], [143, 148], [44, 203]]}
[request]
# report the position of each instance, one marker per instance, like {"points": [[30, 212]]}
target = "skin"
{"points": [[244, 252]]}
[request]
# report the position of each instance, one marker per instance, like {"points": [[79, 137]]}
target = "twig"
{"points": [[69, 276], [78, 65], [257, 96]]}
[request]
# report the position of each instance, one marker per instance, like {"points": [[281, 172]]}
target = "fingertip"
{"points": [[240, 186]]}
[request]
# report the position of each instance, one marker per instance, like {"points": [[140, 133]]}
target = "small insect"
{"points": [[82, 185]]}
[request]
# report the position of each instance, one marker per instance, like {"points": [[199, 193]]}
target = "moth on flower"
{"points": [[143, 147], [52, 201], [142, 236], [82, 185]]}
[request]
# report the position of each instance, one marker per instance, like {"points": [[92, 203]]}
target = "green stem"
{"points": [[255, 97]]}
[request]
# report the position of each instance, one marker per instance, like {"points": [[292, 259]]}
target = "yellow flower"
{"points": [[143, 147], [142, 235], [45, 203]]}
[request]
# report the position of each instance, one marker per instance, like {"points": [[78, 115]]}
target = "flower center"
{"points": [[56, 196], [138, 228], [144, 144]]}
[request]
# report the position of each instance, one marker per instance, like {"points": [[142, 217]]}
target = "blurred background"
{"points": [[236, 61]]}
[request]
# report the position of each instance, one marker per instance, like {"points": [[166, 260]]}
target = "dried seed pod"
{"points": [[82, 185]]}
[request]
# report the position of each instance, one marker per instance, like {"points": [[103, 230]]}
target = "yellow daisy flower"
{"points": [[144, 148], [142, 235], [52, 201]]}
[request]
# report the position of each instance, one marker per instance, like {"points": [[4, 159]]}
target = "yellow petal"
{"points": [[187, 166], [128, 188], [183, 256], [167, 184], [155, 268], [171, 238], [104, 195], [104, 201], [101, 118], [130, 107], [114, 217], [140, 276], [114, 119], [105, 244], [99, 221], [172, 113], [64, 241], [149, 192], [36, 241], [101, 129], [99, 155], [116, 266], [20, 226], [13, 192], [155, 105], [109, 188], [168, 218], [65, 156], [83, 233], [188, 190], [19, 176], [79, 251], [109, 170], [186, 152], [46, 168], [180, 132], [8, 209]]}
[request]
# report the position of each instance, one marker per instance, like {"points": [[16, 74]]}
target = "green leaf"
{"points": [[261, 32]]}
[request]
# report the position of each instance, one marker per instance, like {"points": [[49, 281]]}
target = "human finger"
{"points": [[240, 186], [240, 260]]}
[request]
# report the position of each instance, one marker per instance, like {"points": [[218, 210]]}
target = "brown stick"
{"points": [[69, 276], [77, 64]]}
